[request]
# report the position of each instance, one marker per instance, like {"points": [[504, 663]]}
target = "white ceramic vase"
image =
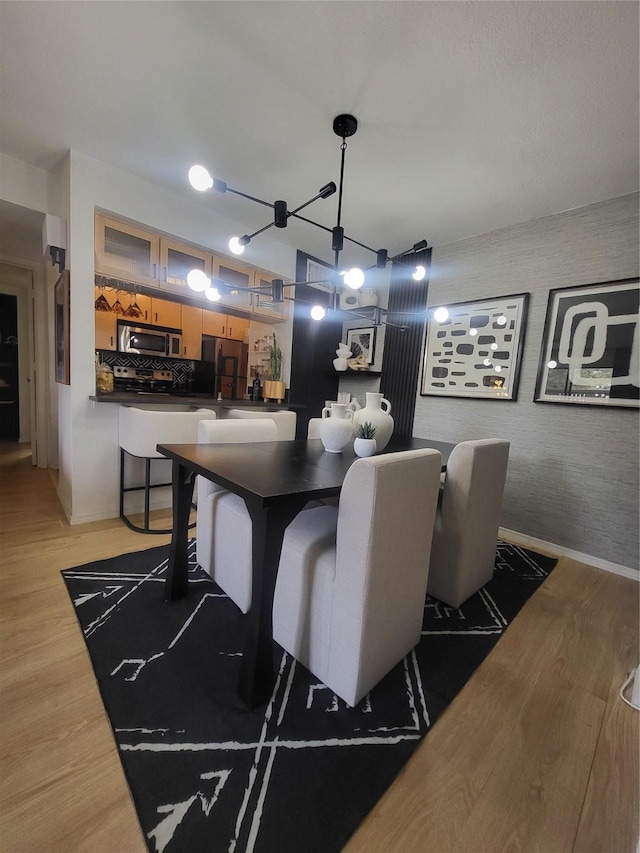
{"points": [[336, 428], [364, 446], [340, 363], [378, 412]]}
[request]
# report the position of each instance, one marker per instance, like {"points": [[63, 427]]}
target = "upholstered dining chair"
{"points": [[352, 580], [466, 527], [313, 427], [139, 431], [213, 549], [285, 421]]}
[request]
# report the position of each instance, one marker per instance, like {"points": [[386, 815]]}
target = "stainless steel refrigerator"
{"points": [[223, 369]]}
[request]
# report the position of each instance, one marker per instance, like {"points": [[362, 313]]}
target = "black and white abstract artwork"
{"points": [[473, 349], [590, 352]]}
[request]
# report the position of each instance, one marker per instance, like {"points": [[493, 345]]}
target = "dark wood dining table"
{"points": [[276, 479]]}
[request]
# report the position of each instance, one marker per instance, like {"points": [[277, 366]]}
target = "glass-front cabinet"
{"points": [[126, 252], [177, 261], [239, 277]]}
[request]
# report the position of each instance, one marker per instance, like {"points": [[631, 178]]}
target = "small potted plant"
{"points": [[365, 440], [273, 386]]}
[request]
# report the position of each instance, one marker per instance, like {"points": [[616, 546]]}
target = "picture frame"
{"points": [[590, 351], [362, 341], [61, 325], [476, 351]]}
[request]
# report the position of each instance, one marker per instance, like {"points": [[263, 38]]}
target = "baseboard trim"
{"points": [[559, 551]]}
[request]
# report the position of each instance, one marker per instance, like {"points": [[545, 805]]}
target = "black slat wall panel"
{"points": [[402, 349], [313, 348]]}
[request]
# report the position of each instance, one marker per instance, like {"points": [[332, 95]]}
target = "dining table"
{"points": [[276, 479]]}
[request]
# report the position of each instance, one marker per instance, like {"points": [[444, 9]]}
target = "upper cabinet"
{"points": [[177, 261], [166, 313], [261, 304], [126, 252], [239, 277]]}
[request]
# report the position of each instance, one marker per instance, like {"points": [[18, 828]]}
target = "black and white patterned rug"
{"points": [[299, 773]]}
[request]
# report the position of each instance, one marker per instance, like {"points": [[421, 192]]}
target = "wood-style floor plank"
{"points": [[537, 753]]}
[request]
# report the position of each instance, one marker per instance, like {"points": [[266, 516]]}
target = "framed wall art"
{"points": [[474, 349], [361, 342], [61, 320], [590, 350]]}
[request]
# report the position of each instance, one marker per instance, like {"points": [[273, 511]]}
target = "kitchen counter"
{"points": [[205, 401]]}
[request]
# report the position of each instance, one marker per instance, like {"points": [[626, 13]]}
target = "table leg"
{"points": [[177, 579], [256, 673]]}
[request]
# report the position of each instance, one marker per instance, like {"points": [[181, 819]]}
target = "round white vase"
{"points": [[340, 363], [378, 412], [364, 446], [336, 428]]}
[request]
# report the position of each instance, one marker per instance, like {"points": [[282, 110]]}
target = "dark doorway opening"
{"points": [[9, 393]]}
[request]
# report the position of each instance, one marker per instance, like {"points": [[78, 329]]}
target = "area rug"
{"points": [[302, 771]]}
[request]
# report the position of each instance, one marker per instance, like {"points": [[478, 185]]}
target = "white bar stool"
{"points": [[139, 431]]}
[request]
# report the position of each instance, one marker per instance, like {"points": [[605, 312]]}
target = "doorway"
{"points": [[9, 384]]}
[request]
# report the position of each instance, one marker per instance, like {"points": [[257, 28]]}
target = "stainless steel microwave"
{"points": [[149, 340]]}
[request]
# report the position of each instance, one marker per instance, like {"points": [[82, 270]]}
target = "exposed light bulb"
{"points": [[317, 312], [236, 246], [441, 315], [200, 179], [502, 320], [420, 273], [197, 280], [353, 278], [212, 294]]}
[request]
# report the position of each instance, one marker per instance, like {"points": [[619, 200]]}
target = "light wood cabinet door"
{"points": [[166, 313], [237, 327], [261, 305], [126, 252], [106, 324], [239, 277], [214, 323], [177, 261], [191, 332]]}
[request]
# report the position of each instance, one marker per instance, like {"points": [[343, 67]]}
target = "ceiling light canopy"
{"points": [[344, 126]]}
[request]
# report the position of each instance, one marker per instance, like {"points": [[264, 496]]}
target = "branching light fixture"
{"points": [[344, 126]]}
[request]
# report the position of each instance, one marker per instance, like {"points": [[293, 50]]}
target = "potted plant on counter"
{"points": [[273, 386]]}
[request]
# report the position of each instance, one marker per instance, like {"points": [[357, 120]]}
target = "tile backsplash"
{"points": [[182, 368]]}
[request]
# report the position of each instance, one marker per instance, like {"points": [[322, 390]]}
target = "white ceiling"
{"points": [[472, 116]]}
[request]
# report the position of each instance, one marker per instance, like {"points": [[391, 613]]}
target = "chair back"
{"points": [[284, 421], [383, 539], [140, 430], [466, 531]]}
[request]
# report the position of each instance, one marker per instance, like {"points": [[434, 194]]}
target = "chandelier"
{"points": [[344, 126]]}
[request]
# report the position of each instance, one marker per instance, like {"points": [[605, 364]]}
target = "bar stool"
{"points": [[285, 421], [139, 431]]}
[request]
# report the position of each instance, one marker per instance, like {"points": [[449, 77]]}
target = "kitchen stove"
{"points": [[142, 379]]}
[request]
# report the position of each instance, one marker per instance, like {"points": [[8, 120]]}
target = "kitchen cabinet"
{"points": [[239, 277], [106, 324], [177, 261], [261, 305], [192, 332], [166, 313], [221, 325], [126, 251]]}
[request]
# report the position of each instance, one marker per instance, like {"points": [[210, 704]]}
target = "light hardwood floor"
{"points": [[537, 754]]}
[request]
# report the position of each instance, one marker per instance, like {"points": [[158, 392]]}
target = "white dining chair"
{"points": [[466, 527], [313, 428], [212, 541], [139, 431], [352, 579], [285, 421]]}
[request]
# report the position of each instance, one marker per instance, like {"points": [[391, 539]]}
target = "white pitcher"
{"points": [[336, 427], [378, 412]]}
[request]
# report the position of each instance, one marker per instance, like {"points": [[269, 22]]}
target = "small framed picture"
{"points": [[590, 351], [61, 293], [361, 342]]}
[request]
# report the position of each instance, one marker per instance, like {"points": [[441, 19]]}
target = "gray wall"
{"points": [[573, 470]]}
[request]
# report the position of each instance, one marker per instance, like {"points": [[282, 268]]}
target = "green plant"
{"points": [[274, 365], [365, 430]]}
